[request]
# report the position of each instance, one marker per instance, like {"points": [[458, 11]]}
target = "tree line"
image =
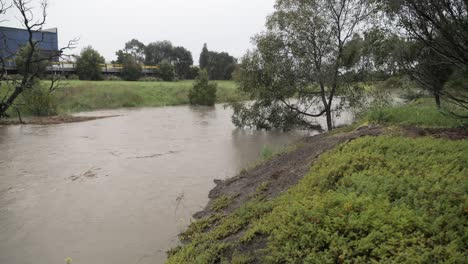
{"points": [[174, 62]]}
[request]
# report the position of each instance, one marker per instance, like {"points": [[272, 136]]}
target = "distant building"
{"points": [[12, 39]]}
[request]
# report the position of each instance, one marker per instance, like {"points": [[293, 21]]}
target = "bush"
{"points": [[73, 77], [131, 70], [150, 79], [39, 101], [88, 65], [203, 92], [167, 71], [112, 78]]}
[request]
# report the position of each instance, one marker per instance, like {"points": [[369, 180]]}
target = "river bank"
{"points": [[374, 193], [50, 120], [78, 96]]}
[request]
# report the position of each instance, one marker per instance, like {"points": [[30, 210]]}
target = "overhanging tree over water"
{"points": [[301, 55]]}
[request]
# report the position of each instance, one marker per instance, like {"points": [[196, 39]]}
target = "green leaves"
{"points": [[382, 199], [203, 91]]}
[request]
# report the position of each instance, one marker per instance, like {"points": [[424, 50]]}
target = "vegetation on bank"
{"points": [[376, 199], [386, 199], [76, 96], [421, 113]]}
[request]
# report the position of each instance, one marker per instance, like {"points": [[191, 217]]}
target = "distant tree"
{"points": [[194, 70], [203, 91], [88, 64], [120, 57], [137, 49], [157, 52], [38, 63], [131, 69], [166, 71], [182, 60], [204, 57], [220, 65]]}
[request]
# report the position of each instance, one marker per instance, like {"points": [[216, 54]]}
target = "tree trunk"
{"points": [[437, 100], [4, 106], [329, 119]]}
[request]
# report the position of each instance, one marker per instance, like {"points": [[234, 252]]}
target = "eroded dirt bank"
{"points": [[281, 172]]}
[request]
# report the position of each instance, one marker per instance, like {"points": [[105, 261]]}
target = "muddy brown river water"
{"points": [[116, 190]]}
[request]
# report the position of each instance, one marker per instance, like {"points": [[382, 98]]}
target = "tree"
{"points": [[88, 65], [167, 71], [157, 52], [30, 58], [131, 70], [38, 64], [440, 27], [137, 49], [193, 73], [120, 57], [203, 91], [221, 65], [204, 57], [301, 56], [182, 59]]}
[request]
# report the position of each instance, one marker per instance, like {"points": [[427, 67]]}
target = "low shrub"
{"points": [[203, 91], [150, 79], [112, 78], [39, 101]]}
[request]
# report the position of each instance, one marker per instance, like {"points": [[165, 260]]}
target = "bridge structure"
{"points": [[69, 68]]}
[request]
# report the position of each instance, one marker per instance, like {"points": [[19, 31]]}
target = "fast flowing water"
{"points": [[116, 190]]}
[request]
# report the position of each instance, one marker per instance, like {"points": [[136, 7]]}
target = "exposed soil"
{"points": [[51, 120], [281, 172], [447, 133]]}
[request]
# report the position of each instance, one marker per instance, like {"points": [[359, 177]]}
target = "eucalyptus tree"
{"points": [[300, 56], [137, 49]]}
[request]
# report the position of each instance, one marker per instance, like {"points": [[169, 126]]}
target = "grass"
{"points": [[421, 113], [374, 200], [222, 203], [78, 96]]}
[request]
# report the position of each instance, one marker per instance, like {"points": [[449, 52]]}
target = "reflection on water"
{"points": [[116, 190]]}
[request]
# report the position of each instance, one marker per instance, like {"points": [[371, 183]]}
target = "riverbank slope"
{"points": [[373, 194]]}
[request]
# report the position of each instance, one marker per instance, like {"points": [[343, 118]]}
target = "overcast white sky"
{"points": [[226, 25]]}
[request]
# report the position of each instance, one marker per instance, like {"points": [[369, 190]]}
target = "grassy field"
{"points": [[77, 96]]}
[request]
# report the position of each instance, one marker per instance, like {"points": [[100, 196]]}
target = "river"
{"points": [[117, 190]]}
